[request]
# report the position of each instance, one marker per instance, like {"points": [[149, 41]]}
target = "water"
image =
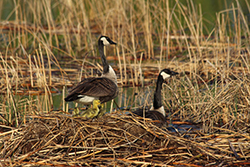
{"points": [[127, 98]]}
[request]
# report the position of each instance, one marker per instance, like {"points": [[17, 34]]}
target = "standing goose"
{"points": [[157, 112], [102, 88]]}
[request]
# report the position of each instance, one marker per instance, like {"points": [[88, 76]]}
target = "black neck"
{"points": [[104, 60], [157, 95]]}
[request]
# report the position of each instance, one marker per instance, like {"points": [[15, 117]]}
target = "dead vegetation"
{"points": [[119, 140], [48, 46]]}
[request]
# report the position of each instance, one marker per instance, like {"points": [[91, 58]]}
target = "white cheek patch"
{"points": [[105, 41], [165, 75]]}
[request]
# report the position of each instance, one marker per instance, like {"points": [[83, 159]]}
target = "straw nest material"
{"points": [[117, 140]]}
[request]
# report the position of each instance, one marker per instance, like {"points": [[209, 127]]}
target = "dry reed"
{"points": [[48, 46], [120, 140]]}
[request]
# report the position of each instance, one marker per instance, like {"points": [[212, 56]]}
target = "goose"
{"points": [[157, 112], [95, 111], [102, 88]]}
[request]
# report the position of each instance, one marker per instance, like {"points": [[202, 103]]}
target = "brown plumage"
{"points": [[102, 88], [158, 118]]}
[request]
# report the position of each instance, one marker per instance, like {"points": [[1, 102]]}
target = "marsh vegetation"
{"points": [[49, 46]]}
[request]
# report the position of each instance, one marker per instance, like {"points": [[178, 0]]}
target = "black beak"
{"points": [[174, 73], [111, 42]]}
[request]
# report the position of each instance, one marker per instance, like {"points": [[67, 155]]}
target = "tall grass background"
{"points": [[48, 46]]}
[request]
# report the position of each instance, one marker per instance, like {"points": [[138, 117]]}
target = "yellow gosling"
{"points": [[102, 111], [76, 112], [94, 111]]}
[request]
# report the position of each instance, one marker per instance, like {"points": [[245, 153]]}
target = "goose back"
{"points": [[102, 88]]}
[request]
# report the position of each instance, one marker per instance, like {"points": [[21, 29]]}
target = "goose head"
{"points": [[167, 73], [97, 104], [105, 41]]}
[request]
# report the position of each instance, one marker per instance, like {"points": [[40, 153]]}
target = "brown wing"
{"points": [[96, 87], [159, 119]]}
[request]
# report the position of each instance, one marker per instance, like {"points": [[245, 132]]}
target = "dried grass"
{"points": [[51, 45], [120, 140]]}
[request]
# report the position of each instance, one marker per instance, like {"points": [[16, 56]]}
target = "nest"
{"points": [[117, 140]]}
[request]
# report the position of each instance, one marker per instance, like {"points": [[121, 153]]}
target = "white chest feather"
{"points": [[86, 99], [111, 75], [161, 110]]}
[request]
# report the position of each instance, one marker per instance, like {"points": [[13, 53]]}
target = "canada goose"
{"points": [[92, 112], [157, 112], [102, 88]]}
